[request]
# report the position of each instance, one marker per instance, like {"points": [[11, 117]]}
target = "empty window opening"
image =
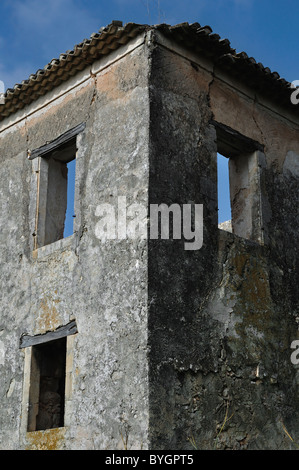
{"points": [[223, 186], [55, 168], [47, 385], [70, 207], [56, 194], [239, 190]]}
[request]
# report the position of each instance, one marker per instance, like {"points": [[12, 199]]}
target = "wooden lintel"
{"points": [[232, 143], [61, 332], [61, 140]]}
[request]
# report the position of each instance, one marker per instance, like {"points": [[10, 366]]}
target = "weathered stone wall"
{"points": [[102, 286], [221, 320], [170, 342]]}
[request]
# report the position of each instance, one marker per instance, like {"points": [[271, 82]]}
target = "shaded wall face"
{"points": [[222, 319]]}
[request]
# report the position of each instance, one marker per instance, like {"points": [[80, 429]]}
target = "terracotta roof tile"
{"points": [[200, 39]]}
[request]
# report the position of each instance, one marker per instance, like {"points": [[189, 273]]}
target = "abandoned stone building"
{"points": [[135, 342]]}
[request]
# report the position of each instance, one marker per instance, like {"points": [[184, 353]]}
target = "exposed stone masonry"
{"points": [[168, 342]]}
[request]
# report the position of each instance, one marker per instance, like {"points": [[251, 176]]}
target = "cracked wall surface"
{"points": [[73, 278], [175, 348], [221, 320]]}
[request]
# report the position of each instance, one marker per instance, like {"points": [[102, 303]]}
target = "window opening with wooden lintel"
{"points": [[56, 171], [48, 377], [244, 156]]}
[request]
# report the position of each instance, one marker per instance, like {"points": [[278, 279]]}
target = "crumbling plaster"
{"points": [[168, 340]]}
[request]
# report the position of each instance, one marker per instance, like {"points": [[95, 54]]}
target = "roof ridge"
{"points": [[199, 38]]}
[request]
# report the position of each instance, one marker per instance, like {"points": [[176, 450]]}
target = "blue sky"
{"points": [[33, 32]]}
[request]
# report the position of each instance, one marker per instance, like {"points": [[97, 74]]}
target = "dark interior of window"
{"points": [[47, 385]]}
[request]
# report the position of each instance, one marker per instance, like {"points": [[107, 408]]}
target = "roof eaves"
{"points": [[200, 39], [68, 63]]}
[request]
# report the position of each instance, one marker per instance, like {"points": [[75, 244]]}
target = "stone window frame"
{"points": [[39, 172], [246, 158], [27, 343]]}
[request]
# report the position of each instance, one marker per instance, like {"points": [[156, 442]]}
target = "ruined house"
{"points": [[140, 343]]}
